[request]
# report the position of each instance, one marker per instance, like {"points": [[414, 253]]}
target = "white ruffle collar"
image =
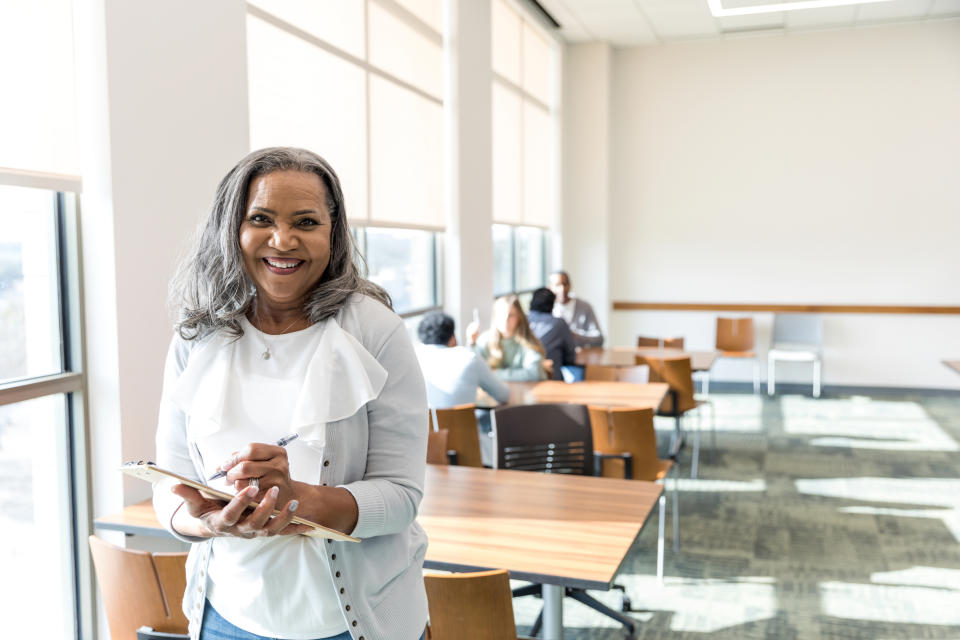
{"points": [[341, 377]]}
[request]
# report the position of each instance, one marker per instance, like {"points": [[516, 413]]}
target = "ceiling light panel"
{"points": [[721, 9]]}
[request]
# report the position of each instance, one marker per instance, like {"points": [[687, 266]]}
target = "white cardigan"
{"points": [[377, 453]]}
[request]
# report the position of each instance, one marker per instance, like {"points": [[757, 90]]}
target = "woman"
{"points": [[509, 347], [280, 335]]}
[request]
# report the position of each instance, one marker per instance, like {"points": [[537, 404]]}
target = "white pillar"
{"points": [[468, 239]]}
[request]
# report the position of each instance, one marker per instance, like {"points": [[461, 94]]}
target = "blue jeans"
{"points": [[216, 628]]}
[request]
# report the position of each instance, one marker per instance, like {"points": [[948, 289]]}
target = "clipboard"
{"points": [[150, 472]]}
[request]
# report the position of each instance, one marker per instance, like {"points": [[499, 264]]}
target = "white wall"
{"points": [[811, 168]]}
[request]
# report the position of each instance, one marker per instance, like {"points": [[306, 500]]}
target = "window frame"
{"points": [[515, 259], [73, 437]]}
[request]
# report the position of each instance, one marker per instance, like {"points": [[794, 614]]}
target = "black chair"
{"points": [[552, 438]]}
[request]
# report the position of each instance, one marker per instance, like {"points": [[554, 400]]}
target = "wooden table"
{"points": [[557, 530], [953, 364], [610, 394], [626, 356]]}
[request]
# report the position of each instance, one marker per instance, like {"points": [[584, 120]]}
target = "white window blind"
{"points": [[361, 83], [524, 116], [38, 110]]}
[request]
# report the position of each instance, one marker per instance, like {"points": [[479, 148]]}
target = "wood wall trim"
{"points": [[785, 308]]}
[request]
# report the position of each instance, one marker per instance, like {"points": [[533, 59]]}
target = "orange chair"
{"points": [[735, 339], [470, 606], [461, 422], [630, 431], [437, 452], [660, 343], [140, 589], [677, 372]]}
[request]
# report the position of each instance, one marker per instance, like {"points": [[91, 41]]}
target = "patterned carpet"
{"points": [[829, 518]]}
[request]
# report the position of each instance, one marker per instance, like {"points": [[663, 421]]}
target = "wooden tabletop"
{"points": [[547, 528], [610, 394], [953, 364], [626, 356]]}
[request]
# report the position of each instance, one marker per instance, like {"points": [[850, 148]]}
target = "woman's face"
{"points": [[285, 235], [507, 319]]}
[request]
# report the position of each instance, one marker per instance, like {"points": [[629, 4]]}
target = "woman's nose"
{"points": [[284, 238]]}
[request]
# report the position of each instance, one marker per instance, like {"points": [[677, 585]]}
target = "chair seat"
{"points": [[795, 355], [738, 354]]}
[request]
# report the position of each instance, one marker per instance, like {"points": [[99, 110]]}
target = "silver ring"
{"points": [[255, 483]]}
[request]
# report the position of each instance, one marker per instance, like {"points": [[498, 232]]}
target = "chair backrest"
{"points": [[735, 334], [140, 589], [622, 430], [437, 447], [461, 422], [665, 343], [677, 372], [804, 329], [470, 606], [639, 374], [554, 438]]}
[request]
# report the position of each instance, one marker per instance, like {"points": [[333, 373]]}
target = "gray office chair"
{"points": [[797, 337], [553, 438]]}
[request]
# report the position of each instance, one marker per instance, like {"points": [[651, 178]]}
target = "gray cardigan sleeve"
{"points": [[389, 494]]}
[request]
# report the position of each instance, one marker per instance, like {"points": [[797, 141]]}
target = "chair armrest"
{"points": [[147, 633], [627, 458], [452, 456]]}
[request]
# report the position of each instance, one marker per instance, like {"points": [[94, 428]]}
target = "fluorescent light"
{"points": [[716, 6]]}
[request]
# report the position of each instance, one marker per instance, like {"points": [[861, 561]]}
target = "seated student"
{"points": [[509, 347], [577, 312], [553, 333], [452, 373]]}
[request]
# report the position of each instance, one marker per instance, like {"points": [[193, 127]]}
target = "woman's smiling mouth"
{"points": [[282, 265]]}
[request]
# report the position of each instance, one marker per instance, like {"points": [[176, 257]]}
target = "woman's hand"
{"points": [[216, 518], [473, 332], [267, 463]]}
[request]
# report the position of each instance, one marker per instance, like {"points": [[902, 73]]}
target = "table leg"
{"points": [[552, 612]]}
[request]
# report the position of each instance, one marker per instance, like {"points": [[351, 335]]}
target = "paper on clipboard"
{"points": [[152, 473]]}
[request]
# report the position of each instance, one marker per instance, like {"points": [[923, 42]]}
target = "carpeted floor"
{"points": [[829, 518]]}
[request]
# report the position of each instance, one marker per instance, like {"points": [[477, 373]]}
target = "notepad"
{"points": [[150, 472]]}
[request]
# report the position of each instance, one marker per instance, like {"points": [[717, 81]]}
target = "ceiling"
{"points": [[629, 23]]}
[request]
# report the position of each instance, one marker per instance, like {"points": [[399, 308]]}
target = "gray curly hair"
{"points": [[211, 289]]}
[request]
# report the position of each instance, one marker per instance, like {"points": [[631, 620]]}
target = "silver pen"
{"points": [[282, 442]]}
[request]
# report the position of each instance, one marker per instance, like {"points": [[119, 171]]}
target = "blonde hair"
{"points": [[523, 334]]}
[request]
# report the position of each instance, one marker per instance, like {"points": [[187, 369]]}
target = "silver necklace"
{"points": [[267, 346]]}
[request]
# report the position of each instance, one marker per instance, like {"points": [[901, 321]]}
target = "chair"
{"points": [[470, 606], [463, 438], [660, 343], [437, 452], [678, 373], [735, 339], [797, 337], [140, 589], [639, 374], [551, 438], [626, 430]]}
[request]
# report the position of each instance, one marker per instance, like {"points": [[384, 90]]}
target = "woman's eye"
{"points": [[259, 218], [308, 222]]}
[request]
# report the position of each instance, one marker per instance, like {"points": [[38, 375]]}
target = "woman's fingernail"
{"points": [[293, 505], [274, 491]]}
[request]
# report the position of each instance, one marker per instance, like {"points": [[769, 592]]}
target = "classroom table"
{"points": [[626, 356], [608, 394], [953, 364], [557, 530]]}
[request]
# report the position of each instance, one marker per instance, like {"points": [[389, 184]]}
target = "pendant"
{"points": [[265, 355]]}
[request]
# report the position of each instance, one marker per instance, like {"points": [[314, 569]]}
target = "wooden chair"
{"points": [[630, 431], [437, 452], [660, 343], [470, 606], [461, 423], [140, 589], [639, 374], [677, 372], [735, 339], [551, 438]]}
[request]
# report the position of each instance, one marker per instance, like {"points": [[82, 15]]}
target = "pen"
{"points": [[282, 442]]}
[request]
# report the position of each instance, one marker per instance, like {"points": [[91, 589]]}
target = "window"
{"points": [[40, 424], [361, 83], [519, 258]]}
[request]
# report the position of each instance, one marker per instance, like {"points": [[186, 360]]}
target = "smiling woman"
{"points": [[281, 335]]}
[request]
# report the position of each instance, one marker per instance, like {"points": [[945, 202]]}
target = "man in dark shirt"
{"points": [[554, 334]]}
